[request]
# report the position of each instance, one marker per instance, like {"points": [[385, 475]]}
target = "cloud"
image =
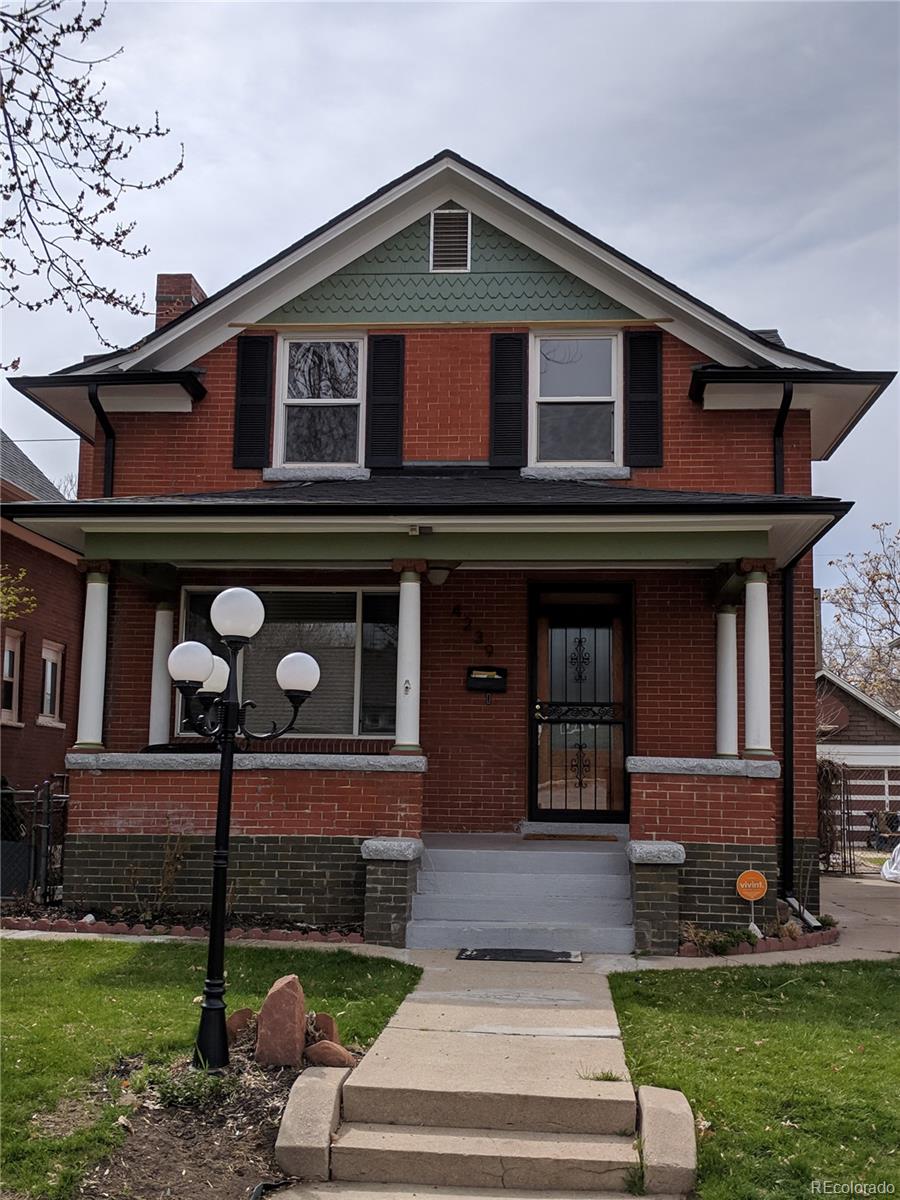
{"points": [[748, 152]]}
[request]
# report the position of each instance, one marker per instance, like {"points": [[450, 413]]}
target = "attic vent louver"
{"points": [[450, 238]]}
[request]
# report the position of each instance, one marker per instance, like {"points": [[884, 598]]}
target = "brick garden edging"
{"points": [[766, 945], [42, 925]]}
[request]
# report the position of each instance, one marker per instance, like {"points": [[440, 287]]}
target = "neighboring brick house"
{"points": [[41, 648], [452, 431], [862, 735]]}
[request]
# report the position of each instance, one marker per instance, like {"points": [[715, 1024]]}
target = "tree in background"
{"points": [[16, 597], [862, 644], [64, 163]]}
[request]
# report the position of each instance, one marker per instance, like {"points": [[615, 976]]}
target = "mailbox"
{"points": [[486, 679]]}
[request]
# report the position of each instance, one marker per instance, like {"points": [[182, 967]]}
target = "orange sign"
{"points": [[752, 885]]}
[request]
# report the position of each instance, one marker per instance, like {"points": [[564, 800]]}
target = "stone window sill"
{"points": [[368, 763], [49, 722], [576, 473], [337, 471], [9, 723]]}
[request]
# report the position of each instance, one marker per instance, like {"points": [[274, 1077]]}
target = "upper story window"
{"points": [[51, 683], [451, 239], [575, 400], [12, 676], [319, 417]]}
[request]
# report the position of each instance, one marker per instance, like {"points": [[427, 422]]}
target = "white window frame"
{"points": [[297, 734], [52, 652], [534, 398], [450, 270], [281, 376], [13, 639]]}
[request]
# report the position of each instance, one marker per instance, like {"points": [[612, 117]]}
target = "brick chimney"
{"points": [[175, 294]]}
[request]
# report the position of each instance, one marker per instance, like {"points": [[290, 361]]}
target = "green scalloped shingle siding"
{"points": [[392, 283]]}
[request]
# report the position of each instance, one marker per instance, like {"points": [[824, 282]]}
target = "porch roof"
{"points": [[463, 516]]}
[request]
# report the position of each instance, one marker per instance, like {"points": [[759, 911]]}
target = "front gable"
{"points": [[392, 283]]}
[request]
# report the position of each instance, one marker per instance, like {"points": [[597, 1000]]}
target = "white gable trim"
{"points": [[392, 211], [875, 705]]}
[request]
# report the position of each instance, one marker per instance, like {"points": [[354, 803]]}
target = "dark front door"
{"points": [[579, 718]]}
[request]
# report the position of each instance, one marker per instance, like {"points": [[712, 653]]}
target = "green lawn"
{"points": [[71, 1010], [793, 1073]]}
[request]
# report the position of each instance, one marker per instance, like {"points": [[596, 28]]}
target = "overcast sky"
{"points": [[746, 151]]}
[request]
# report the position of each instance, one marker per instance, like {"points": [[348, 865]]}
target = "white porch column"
{"points": [[409, 653], [726, 683], [92, 690], [757, 700], [160, 683]]}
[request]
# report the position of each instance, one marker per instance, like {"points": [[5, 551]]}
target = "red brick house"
{"points": [[42, 647], [543, 518]]}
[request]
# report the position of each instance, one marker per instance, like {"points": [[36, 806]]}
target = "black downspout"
{"points": [[787, 664], [109, 435]]}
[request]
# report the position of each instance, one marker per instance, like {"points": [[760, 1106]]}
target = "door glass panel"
{"points": [[579, 716]]}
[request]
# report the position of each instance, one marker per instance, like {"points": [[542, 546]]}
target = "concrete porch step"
{"points": [[499, 1081], [612, 884], [533, 1162], [505, 907], [417, 1191], [579, 858], [510, 935]]}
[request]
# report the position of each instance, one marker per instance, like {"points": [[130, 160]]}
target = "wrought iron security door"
{"points": [[579, 718]]}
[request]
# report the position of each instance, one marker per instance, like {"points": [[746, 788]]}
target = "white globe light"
{"points": [[217, 681], [190, 662], [237, 612], [297, 672]]}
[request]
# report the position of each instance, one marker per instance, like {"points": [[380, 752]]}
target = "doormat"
{"points": [[550, 956], [569, 837]]}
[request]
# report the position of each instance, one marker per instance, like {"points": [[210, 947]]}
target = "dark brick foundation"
{"points": [[314, 880], [390, 886], [654, 888], [707, 883], [806, 873]]}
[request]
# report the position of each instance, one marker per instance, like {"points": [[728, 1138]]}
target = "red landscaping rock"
{"points": [[120, 927], [315, 936], [238, 1022], [178, 931], [101, 927], [688, 950], [744, 948], [15, 923], [831, 936], [277, 935], [329, 1054], [327, 1026], [256, 932], [281, 1025], [140, 929], [160, 929], [233, 935], [42, 924], [64, 926], [196, 931], [334, 936], [295, 935], [356, 938], [787, 943]]}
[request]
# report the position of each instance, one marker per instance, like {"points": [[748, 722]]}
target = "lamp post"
{"points": [[208, 686]]}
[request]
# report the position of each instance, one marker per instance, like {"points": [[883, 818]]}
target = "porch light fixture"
{"points": [[213, 709]]}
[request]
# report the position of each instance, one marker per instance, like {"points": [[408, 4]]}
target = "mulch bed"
{"points": [[222, 1150], [27, 916]]}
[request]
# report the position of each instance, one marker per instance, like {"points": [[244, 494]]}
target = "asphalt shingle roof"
{"points": [[18, 469]]}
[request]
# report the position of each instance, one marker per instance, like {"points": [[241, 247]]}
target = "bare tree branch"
{"points": [[63, 158]]}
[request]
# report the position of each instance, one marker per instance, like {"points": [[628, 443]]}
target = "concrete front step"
{"points": [[568, 829], [492, 1081], [509, 935], [434, 906], [533, 1162], [612, 885], [531, 858], [417, 1191]]}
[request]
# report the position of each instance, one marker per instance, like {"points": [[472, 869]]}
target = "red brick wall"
{"points": [[319, 803], [687, 808], [446, 419], [35, 751]]}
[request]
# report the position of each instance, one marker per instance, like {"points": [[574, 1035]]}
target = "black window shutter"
{"points": [[509, 399], [384, 401], [643, 399], [253, 401]]}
